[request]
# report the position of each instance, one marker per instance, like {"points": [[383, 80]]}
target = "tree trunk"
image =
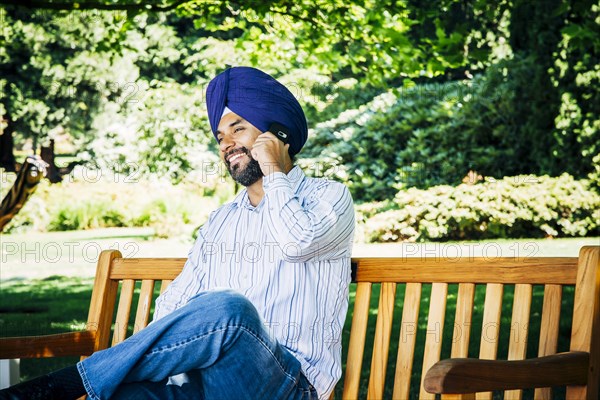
{"points": [[47, 154], [30, 174], [7, 157]]}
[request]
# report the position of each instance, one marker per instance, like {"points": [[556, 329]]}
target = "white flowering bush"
{"points": [[514, 207]]}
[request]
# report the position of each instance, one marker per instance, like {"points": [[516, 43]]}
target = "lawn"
{"points": [[59, 303]]}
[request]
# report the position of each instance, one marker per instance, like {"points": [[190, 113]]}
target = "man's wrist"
{"points": [[270, 168], [275, 180]]}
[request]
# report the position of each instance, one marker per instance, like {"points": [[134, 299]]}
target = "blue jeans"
{"points": [[218, 339]]}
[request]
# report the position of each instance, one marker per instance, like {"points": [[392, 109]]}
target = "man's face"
{"points": [[236, 136]]}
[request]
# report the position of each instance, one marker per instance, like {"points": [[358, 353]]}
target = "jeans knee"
{"points": [[228, 305]]}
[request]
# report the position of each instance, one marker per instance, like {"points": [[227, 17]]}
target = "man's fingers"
{"points": [[268, 134]]}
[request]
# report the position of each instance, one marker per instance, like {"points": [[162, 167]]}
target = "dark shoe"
{"points": [[41, 388]]}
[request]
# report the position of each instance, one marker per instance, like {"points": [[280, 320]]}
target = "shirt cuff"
{"points": [[276, 180]]}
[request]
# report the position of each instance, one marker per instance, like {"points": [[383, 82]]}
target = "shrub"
{"points": [[433, 134], [360, 146], [514, 207], [86, 215], [76, 204]]}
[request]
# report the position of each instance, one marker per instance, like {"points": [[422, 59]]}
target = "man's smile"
{"points": [[235, 157]]}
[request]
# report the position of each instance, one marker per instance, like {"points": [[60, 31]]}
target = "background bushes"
{"points": [[77, 204], [514, 207], [432, 134]]}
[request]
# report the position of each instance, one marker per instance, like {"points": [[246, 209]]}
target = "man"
{"points": [[258, 309]]}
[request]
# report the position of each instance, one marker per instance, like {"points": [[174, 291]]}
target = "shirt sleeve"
{"points": [[317, 226], [187, 284]]}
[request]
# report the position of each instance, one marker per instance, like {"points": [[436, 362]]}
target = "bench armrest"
{"points": [[466, 375], [58, 345]]}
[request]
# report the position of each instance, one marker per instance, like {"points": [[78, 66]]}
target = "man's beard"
{"points": [[247, 175]]}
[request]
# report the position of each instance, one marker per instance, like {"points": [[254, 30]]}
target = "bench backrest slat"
{"points": [[356, 347], [406, 340], [142, 315], [435, 328], [490, 332], [123, 311], [381, 342], [145, 268], [549, 330], [508, 270], [586, 318], [462, 320], [519, 330], [103, 300]]}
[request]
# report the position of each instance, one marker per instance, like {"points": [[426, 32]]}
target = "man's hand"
{"points": [[271, 153]]}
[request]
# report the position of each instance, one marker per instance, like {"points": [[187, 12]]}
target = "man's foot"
{"points": [[41, 388]]}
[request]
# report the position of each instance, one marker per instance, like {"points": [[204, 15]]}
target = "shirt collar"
{"points": [[296, 176]]}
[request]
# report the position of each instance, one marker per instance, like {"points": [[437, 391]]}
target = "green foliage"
{"points": [[385, 143], [434, 134], [162, 130], [77, 204], [374, 40], [54, 74], [126, 87], [86, 215], [514, 207], [64, 64], [576, 75]]}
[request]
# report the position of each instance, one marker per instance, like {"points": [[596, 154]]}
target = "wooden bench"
{"points": [[413, 296]]}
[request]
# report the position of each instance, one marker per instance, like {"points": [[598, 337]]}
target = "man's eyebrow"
{"points": [[234, 123]]}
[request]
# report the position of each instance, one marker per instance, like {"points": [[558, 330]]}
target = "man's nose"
{"points": [[226, 144]]}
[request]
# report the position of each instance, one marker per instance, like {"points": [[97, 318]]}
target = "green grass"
{"points": [[39, 307], [47, 306]]}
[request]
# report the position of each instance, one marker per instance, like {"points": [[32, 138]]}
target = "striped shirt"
{"points": [[290, 256]]}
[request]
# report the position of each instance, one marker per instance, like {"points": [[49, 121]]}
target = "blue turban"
{"points": [[259, 99]]}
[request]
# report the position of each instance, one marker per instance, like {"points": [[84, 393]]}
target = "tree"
{"points": [[53, 74], [377, 44]]}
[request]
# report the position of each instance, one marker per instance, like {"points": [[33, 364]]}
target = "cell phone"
{"points": [[281, 131]]}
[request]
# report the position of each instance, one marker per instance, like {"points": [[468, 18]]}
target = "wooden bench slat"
{"points": [[102, 304], [56, 345], [462, 331], [517, 348], [462, 320], [354, 361], [555, 270], [435, 330], [143, 268], [549, 330], [123, 311], [144, 303], [586, 318], [164, 284], [490, 327], [407, 340], [468, 396], [381, 342]]}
